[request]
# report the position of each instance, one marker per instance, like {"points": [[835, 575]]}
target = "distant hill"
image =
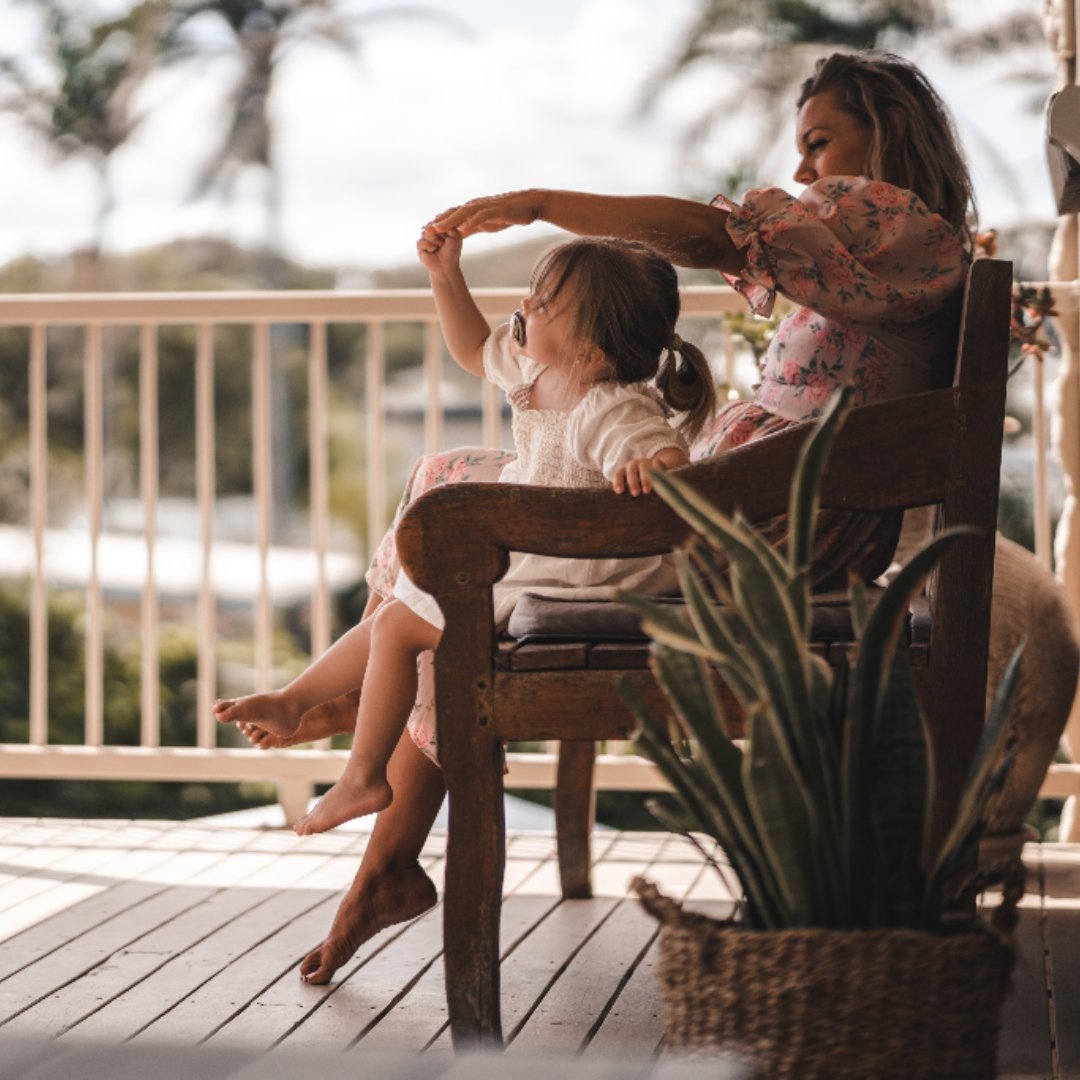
{"points": [[191, 265], [508, 265], [211, 265]]}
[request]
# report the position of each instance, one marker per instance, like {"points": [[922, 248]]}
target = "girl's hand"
{"points": [[493, 213], [438, 251], [634, 475]]}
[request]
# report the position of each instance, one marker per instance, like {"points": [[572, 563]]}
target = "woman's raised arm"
{"points": [[687, 232]]}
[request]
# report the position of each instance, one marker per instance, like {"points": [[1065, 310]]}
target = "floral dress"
{"points": [[876, 279]]}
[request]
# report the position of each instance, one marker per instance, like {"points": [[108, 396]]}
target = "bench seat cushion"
{"points": [[539, 618]]}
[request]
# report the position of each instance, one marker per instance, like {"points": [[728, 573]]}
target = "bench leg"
{"points": [[475, 860], [575, 811]]}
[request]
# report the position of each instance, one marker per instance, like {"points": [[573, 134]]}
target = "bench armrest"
{"points": [[887, 456]]}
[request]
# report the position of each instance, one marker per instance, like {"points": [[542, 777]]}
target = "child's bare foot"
{"points": [[346, 800], [334, 717], [271, 712], [395, 897]]}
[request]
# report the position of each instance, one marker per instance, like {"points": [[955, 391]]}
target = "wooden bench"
{"points": [[939, 448]]}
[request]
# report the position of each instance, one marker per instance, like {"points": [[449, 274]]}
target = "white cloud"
{"points": [[424, 118]]}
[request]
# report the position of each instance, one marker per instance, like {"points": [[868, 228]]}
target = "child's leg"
{"points": [[398, 637], [339, 669], [334, 717]]}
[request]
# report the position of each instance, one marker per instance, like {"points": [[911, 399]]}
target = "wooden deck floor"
{"points": [[190, 934]]}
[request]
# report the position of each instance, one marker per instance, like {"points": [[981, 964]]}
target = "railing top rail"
{"points": [[280, 306]]}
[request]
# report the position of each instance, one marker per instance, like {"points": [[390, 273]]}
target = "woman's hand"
{"points": [[492, 213], [634, 475], [438, 251]]}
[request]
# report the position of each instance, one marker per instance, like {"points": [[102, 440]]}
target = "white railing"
{"points": [[47, 552], [43, 550]]}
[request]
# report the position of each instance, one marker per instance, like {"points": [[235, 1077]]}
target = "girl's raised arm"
{"points": [[464, 327], [687, 232]]}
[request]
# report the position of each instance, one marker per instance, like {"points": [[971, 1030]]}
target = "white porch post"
{"points": [[1061, 31]]}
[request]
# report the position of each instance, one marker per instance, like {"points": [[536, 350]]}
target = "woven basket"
{"points": [[831, 1004]]}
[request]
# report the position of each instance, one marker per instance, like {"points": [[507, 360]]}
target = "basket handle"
{"points": [[660, 907]]}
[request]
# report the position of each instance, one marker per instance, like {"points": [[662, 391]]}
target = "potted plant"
{"points": [[855, 949]]}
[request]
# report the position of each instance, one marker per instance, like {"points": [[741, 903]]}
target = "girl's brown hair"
{"points": [[913, 141], [627, 304]]}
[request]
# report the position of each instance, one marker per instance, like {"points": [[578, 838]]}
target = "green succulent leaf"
{"points": [[784, 817], [860, 611], [869, 681], [667, 625], [709, 808], [714, 630], [986, 775], [802, 508], [900, 799]]}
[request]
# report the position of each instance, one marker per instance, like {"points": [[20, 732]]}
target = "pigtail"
{"points": [[687, 387]]}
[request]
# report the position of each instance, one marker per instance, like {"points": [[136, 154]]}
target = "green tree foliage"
{"points": [[260, 34], [768, 47], [67, 707], [82, 106]]}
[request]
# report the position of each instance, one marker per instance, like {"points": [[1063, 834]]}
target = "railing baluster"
{"points": [[320, 488], [491, 402], [205, 312], [1041, 506], [93, 419], [376, 437], [262, 448], [150, 728], [39, 503], [205, 483], [433, 411], [320, 485]]}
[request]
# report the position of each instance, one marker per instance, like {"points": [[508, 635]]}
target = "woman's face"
{"points": [[830, 141]]}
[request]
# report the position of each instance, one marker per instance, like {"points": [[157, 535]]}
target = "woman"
{"points": [[872, 253]]}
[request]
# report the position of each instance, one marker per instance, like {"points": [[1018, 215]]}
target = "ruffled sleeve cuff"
{"points": [[847, 247], [614, 424], [749, 226]]}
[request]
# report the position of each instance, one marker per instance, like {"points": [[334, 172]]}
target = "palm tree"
{"points": [[261, 33], [82, 108], [766, 47]]}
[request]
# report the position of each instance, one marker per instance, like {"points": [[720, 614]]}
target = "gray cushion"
{"points": [[547, 618]]}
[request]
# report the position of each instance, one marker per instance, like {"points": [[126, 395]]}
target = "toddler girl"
{"points": [[574, 361]]}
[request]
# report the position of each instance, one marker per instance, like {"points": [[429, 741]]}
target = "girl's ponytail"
{"points": [[687, 387]]}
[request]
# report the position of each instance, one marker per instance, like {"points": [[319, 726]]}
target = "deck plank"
{"points": [[419, 1018], [187, 971], [1061, 870], [217, 1001], [130, 966], [634, 1024], [332, 1017], [564, 1020], [189, 931]]}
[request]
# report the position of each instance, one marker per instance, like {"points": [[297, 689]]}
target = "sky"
{"points": [[370, 147]]}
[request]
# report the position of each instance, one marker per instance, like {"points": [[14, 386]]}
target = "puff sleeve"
{"points": [[849, 248], [617, 423], [505, 364]]}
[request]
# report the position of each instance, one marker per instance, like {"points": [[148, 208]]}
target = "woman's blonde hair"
{"points": [[626, 300], [913, 141]]}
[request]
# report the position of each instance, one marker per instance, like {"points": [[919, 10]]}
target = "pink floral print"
{"points": [[877, 278]]}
